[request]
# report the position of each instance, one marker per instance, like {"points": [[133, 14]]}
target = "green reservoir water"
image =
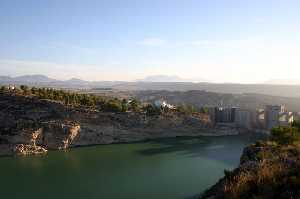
{"points": [[166, 168]]}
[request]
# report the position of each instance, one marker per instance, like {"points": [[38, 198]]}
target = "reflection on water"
{"points": [[165, 168], [215, 147]]}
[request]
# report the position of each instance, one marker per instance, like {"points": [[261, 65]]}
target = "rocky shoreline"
{"points": [[57, 135], [33, 126]]}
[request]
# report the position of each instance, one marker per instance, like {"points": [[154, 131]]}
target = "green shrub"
{"points": [[135, 105], [113, 105], [152, 110], [25, 89], [3, 89], [285, 135], [296, 124], [124, 105]]}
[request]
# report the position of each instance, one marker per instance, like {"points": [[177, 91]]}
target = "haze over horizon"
{"points": [[220, 41]]}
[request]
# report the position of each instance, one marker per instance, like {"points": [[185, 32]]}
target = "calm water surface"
{"points": [[166, 168]]}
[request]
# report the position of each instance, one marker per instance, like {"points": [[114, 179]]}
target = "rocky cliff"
{"points": [[29, 125]]}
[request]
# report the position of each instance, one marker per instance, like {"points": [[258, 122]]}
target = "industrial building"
{"points": [[268, 118], [243, 118], [225, 115]]}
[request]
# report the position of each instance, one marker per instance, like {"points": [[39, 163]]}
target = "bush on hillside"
{"points": [[285, 135]]}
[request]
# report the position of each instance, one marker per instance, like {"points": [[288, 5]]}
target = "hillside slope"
{"points": [[268, 169]]}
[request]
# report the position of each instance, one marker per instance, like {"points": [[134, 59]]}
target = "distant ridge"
{"points": [[34, 78], [283, 82], [5, 78], [76, 81], [28, 79], [176, 85], [169, 78], [44, 81]]}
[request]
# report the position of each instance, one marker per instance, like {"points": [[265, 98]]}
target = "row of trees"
{"points": [[77, 99], [98, 102]]}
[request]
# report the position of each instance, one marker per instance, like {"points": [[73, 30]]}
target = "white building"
{"points": [[11, 87], [286, 118], [163, 104]]}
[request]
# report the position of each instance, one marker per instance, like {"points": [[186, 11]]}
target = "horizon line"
{"points": [[147, 81]]}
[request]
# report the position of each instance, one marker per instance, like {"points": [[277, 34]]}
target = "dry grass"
{"points": [[255, 182]]}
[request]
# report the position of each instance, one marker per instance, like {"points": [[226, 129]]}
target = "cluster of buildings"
{"points": [[262, 119], [277, 116], [271, 116]]}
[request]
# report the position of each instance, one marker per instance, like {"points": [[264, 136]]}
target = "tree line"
{"points": [[101, 103], [77, 99]]}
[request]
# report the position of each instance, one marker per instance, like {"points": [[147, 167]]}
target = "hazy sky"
{"points": [[242, 41]]}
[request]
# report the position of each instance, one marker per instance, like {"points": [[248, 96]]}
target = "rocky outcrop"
{"points": [[266, 170], [23, 149], [58, 135]]}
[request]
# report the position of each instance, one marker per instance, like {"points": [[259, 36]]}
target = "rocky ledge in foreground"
{"points": [[268, 169], [29, 125]]}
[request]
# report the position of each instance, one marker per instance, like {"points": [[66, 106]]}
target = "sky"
{"points": [[237, 41]]}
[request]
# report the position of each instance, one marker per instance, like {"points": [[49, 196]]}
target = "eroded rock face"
{"points": [[58, 135], [29, 125], [25, 149], [26, 136], [54, 135]]}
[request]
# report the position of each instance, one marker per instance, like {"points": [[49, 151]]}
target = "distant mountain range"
{"points": [[166, 78], [284, 82], [42, 80], [168, 83], [27, 78]]}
